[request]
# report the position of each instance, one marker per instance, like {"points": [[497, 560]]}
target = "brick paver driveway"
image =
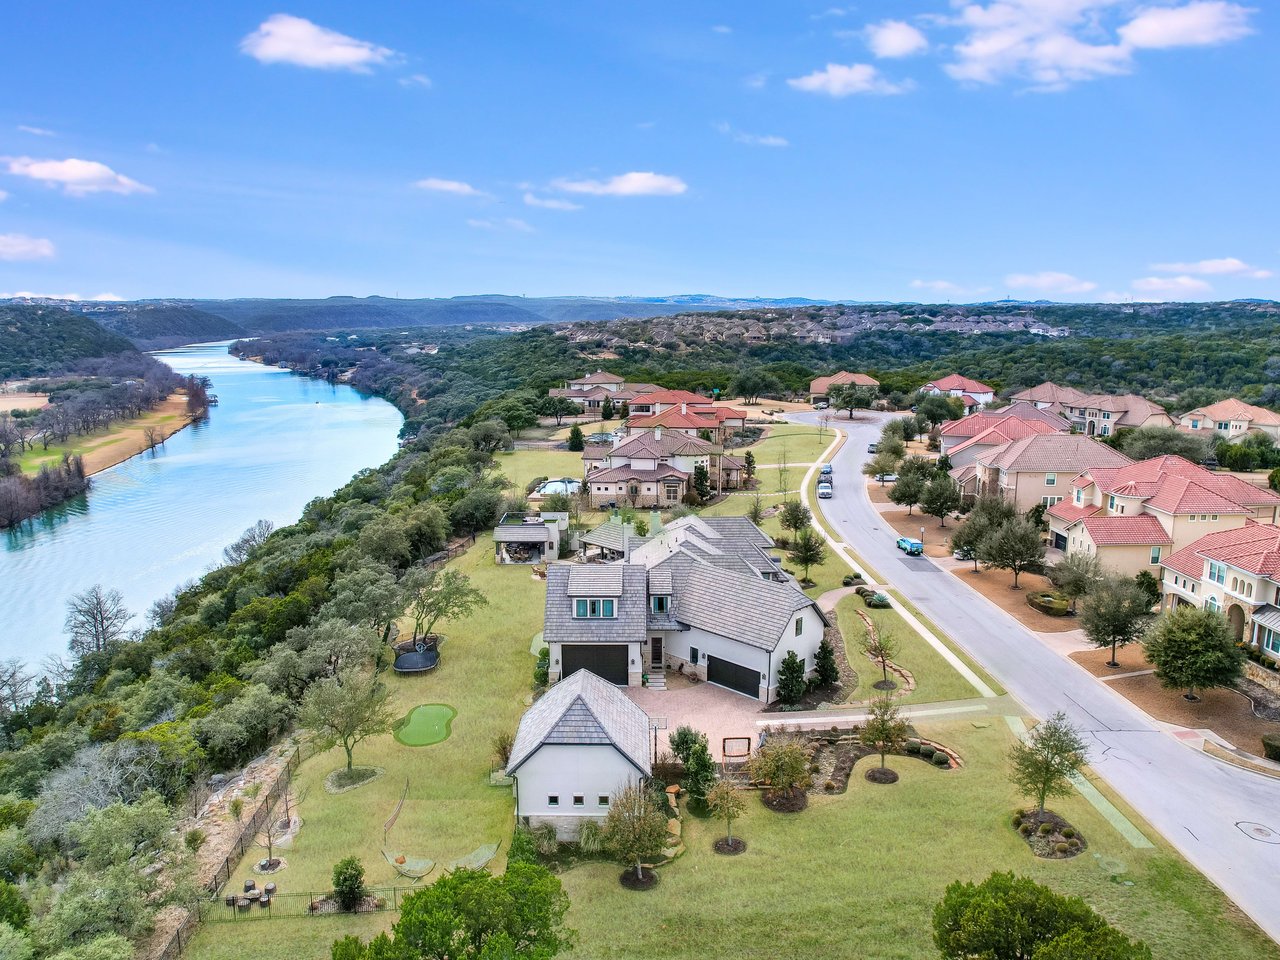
{"points": [[717, 712]]}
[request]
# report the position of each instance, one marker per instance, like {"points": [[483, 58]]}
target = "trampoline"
{"points": [[417, 657]]}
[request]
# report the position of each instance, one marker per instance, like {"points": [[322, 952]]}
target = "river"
{"points": [[275, 442]]}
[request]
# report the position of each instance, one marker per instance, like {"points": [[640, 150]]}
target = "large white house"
{"points": [[701, 596], [580, 743]]}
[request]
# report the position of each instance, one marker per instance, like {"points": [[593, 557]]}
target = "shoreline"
{"points": [[125, 440]]}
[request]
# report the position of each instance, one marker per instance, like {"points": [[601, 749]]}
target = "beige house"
{"points": [[1038, 469], [1095, 414], [1048, 395], [654, 468], [1132, 517], [974, 394], [955, 432], [590, 392], [819, 388], [1230, 419], [1236, 572], [971, 449]]}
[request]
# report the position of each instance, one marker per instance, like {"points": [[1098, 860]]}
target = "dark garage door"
{"points": [[734, 676], [606, 660]]}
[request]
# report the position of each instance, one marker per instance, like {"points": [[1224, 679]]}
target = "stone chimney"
{"points": [[657, 432]]}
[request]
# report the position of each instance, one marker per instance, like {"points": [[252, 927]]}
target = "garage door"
{"points": [[725, 673], [1059, 541], [606, 660]]}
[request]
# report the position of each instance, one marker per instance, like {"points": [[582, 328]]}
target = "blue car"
{"points": [[912, 548], [826, 470]]}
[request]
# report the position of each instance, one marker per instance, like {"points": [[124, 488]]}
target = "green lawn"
{"points": [[485, 670], [522, 466], [792, 442], [32, 460], [858, 875]]}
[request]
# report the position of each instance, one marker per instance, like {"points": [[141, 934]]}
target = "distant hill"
{"points": [[36, 340], [275, 316], [152, 324]]}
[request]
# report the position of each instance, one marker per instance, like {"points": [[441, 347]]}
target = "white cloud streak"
{"points": [[457, 188], [550, 203], [753, 139], [844, 80], [1174, 287], [634, 184], [895, 38], [19, 246], [77, 178], [282, 38], [1222, 266], [35, 131], [1204, 23], [508, 223], [29, 295], [415, 80], [1049, 281]]}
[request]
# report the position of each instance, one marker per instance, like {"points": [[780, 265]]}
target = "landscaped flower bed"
{"points": [[1052, 604], [1048, 835]]}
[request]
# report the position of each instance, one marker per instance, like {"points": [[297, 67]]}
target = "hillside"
{"points": [[151, 324], [36, 340]]}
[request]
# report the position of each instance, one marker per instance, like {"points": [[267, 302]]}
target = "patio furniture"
{"points": [[250, 885], [477, 859], [415, 868], [269, 889]]}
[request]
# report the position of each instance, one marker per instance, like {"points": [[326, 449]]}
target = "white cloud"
{"points": [[458, 188], [35, 131], [721, 28], [27, 294], [76, 177], [285, 39], [1049, 281], [1202, 23], [550, 203], [1228, 266], [415, 80], [1179, 286], [895, 38], [1056, 43], [830, 12], [947, 288], [839, 80], [509, 223], [754, 139], [634, 184], [4, 195], [18, 246]]}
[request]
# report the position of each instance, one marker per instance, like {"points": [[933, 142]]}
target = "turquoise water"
{"points": [[275, 442]]}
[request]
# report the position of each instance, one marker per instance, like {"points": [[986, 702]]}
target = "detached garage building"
{"points": [[702, 596]]}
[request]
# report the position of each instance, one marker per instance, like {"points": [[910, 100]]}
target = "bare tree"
{"points": [[248, 542], [151, 437], [15, 685], [96, 619]]}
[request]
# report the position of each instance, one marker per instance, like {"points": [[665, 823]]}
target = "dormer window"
{"points": [[660, 604], [591, 609], [1079, 497]]}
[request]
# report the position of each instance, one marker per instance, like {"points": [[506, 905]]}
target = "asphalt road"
{"points": [[1196, 802]]}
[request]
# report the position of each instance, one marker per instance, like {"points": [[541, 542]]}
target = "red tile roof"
{"points": [[1049, 392], [675, 419], [1233, 409], [1010, 428], [823, 384], [1126, 531], [1069, 513], [1254, 548], [975, 423], [671, 396], [1175, 485], [954, 381]]}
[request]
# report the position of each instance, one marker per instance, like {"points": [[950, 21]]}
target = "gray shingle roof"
{"points": [[521, 533], [628, 623], [739, 606], [583, 709], [610, 534]]}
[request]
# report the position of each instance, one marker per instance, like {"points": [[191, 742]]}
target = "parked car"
{"points": [[912, 548], [965, 554], [825, 490], [886, 478], [871, 447], [821, 405], [825, 470]]}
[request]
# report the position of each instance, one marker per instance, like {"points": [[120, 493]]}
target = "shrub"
{"points": [[236, 807], [1068, 832], [829, 786], [913, 746], [1025, 829], [1075, 843], [1271, 743], [1061, 847], [522, 848], [542, 669], [590, 838], [1046, 829], [545, 839], [194, 839], [940, 759], [348, 882], [1017, 820], [927, 750], [814, 768], [1053, 604]]}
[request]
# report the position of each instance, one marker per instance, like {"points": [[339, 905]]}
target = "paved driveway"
{"points": [[1203, 807], [717, 712]]}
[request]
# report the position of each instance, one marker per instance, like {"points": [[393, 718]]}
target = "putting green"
{"points": [[425, 725]]}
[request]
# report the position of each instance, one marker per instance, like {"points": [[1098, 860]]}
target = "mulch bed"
{"points": [[730, 847], [332, 783], [1045, 845], [792, 801], [882, 775], [367, 905], [814, 699], [647, 880], [1266, 704]]}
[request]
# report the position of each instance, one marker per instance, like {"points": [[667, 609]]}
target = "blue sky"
{"points": [[900, 149]]}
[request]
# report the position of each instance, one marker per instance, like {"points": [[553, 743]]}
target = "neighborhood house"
{"points": [[821, 387], [1034, 470], [1231, 419], [972, 393]]}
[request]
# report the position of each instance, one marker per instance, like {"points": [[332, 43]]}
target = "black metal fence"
{"points": [[252, 907]]}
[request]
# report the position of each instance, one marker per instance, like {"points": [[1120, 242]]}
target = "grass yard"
{"points": [[114, 444], [794, 442], [523, 466], [485, 670], [858, 875]]}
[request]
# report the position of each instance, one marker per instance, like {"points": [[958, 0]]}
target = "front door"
{"points": [[655, 651]]}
